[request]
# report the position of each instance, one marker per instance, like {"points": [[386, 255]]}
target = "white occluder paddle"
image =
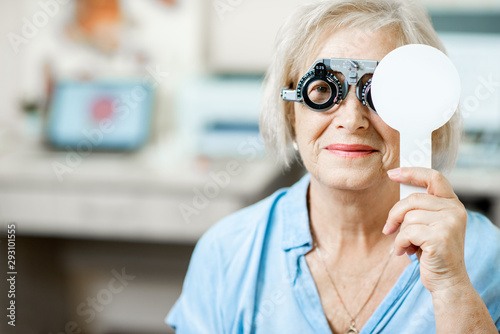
{"points": [[416, 90]]}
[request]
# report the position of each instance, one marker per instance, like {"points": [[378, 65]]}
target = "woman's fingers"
{"points": [[431, 225], [440, 194], [431, 179], [412, 250], [415, 231], [410, 203]]}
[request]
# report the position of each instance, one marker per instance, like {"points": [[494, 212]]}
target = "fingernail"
{"points": [[394, 172], [385, 229]]}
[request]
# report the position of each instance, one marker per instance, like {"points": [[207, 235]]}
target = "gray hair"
{"points": [[408, 20]]}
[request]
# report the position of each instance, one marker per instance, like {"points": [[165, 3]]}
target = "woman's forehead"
{"points": [[352, 43]]}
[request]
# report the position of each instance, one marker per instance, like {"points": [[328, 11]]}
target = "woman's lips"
{"points": [[350, 151]]}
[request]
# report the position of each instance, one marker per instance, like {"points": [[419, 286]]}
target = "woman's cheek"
{"points": [[390, 138]]}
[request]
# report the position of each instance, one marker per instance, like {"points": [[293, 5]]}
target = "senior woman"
{"points": [[338, 252]]}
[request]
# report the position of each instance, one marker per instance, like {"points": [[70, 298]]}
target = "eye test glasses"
{"points": [[320, 89]]}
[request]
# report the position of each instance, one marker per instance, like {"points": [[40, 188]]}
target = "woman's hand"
{"points": [[433, 226]]}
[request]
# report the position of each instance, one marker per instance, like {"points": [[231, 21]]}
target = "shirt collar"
{"points": [[296, 231]]}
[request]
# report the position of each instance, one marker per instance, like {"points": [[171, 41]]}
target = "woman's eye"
{"points": [[319, 92]]}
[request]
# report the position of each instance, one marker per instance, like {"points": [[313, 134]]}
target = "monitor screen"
{"points": [[100, 115]]}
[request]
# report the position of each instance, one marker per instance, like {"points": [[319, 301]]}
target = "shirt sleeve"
{"points": [[198, 309]]}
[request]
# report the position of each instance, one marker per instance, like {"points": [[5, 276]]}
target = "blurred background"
{"points": [[129, 127]]}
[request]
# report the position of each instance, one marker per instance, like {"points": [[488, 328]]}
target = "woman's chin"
{"points": [[351, 178]]}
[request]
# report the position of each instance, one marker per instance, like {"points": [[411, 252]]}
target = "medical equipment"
{"points": [[426, 101], [327, 83]]}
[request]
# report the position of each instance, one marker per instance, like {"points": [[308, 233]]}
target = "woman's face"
{"points": [[325, 138]]}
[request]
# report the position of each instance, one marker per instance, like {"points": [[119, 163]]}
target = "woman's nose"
{"points": [[351, 115]]}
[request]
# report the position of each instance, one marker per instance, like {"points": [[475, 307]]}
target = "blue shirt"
{"points": [[248, 274]]}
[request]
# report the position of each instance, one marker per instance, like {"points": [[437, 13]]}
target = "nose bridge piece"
{"points": [[352, 75]]}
